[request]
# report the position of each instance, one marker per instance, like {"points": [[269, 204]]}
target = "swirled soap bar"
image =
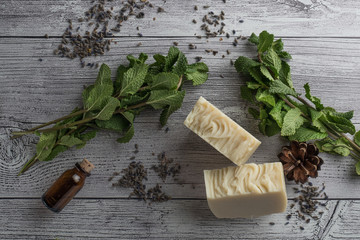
{"points": [[247, 191], [221, 132]]}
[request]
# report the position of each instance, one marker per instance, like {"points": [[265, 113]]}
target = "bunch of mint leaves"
{"points": [[281, 109], [113, 105]]}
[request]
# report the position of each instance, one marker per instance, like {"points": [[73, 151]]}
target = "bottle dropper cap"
{"points": [[86, 165]]}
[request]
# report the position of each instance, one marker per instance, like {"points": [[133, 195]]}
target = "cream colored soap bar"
{"points": [[221, 132], [246, 191]]}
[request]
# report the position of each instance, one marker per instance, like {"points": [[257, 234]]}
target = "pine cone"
{"points": [[300, 161]]}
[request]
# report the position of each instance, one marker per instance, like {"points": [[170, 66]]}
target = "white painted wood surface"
{"points": [[323, 38]]}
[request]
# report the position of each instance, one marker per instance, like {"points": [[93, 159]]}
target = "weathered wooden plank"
{"points": [[176, 219], [283, 17], [33, 92]]}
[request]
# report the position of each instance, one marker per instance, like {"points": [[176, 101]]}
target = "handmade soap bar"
{"points": [[221, 132], [247, 191]]}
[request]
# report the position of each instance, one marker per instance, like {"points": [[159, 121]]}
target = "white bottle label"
{"points": [[76, 178]]}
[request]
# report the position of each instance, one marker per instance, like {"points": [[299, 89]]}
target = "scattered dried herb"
{"points": [[114, 105], [166, 167], [282, 110]]}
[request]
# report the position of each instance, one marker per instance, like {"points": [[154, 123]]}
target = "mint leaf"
{"points": [[278, 45], [133, 79], [265, 97], [95, 98], [171, 58], [253, 85], [256, 74], [285, 75], [272, 60], [255, 113], [284, 55], [181, 65], [357, 138], [266, 73], [127, 136], [197, 73], [134, 99], [55, 151], [338, 123], [271, 128], [119, 77], [246, 93], [254, 39], [70, 141], [165, 114], [243, 64], [133, 60], [280, 88], [108, 109], [277, 114], [86, 137], [116, 123], [45, 145], [265, 41], [104, 76], [292, 121], [161, 98], [315, 118], [316, 101], [165, 81], [303, 134]]}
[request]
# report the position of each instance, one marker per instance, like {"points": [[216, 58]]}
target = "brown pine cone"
{"points": [[300, 161]]}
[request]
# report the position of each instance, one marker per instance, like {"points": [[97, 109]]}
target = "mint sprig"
{"points": [[114, 105], [282, 110]]}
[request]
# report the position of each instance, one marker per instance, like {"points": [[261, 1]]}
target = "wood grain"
{"points": [[177, 219], [281, 17], [34, 92]]}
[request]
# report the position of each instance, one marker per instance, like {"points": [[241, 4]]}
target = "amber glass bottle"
{"points": [[67, 186]]}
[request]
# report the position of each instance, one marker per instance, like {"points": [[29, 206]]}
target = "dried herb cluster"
{"points": [[305, 207], [280, 108], [134, 176], [113, 105], [101, 24], [166, 167]]}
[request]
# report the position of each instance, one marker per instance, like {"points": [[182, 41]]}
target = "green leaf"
{"points": [[181, 65], [271, 59], [316, 122], [70, 141], [255, 113], [127, 136], [197, 73], [253, 85], [133, 60], [357, 138], [339, 123], [159, 58], [45, 145], [265, 97], [161, 98], [104, 76], [265, 41], [133, 79], [278, 45], [165, 114], [108, 109], [86, 137], [276, 113], [246, 93], [357, 166], [348, 115], [119, 77], [266, 73], [171, 58], [280, 88], [263, 117], [134, 99], [342, 151], [165, 81], [96, 97], [254, 39], [243, 64], [303, 134], [271, 128], [285, 75], [55, 151], [284, 55], [255, 72], [292, 121], [116, 123], [316, 101]]}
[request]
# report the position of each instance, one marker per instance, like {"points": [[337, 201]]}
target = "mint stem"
{"points": [[27, 165], [18, 134]]}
